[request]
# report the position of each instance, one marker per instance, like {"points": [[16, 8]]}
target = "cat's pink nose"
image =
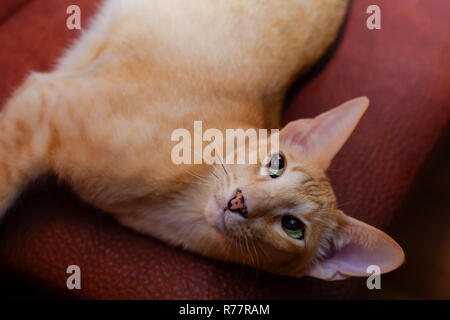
{"points": [[237, 204]]}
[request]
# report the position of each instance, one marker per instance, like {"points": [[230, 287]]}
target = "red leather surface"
{"points": [[8, 7], [403, 68]]}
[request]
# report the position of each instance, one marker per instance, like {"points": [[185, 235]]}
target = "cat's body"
{"points": [[103, 119]]}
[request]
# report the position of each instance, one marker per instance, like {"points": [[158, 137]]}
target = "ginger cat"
{"points": [[102, 121]]}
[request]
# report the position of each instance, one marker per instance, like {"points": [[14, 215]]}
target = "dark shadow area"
{"points": [[16, 288]]}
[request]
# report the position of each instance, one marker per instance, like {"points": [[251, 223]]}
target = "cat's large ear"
{"points": [[357, 246], [322, 137]]}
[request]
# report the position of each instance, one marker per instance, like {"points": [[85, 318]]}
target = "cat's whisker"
{"points": [[211, 171], [240, 247], [222, 163], [223, 166], [257, 269], [201, 183], [252, 259], [229, 247], [201, 179], [218, 170], [256, 254], [206, 182], [247, 250], [257, 261], [207, 164]]}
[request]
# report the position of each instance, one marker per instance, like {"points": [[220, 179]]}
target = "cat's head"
{"points": [[281, 215]]}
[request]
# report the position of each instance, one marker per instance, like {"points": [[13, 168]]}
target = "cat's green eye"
{"points": [[277, 165], [293, 227]]}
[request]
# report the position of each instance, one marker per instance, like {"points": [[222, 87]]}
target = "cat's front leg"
{"points": [[26, 137]]}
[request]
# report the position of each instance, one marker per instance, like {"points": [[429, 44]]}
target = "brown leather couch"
{"points": [[403, 68]]}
